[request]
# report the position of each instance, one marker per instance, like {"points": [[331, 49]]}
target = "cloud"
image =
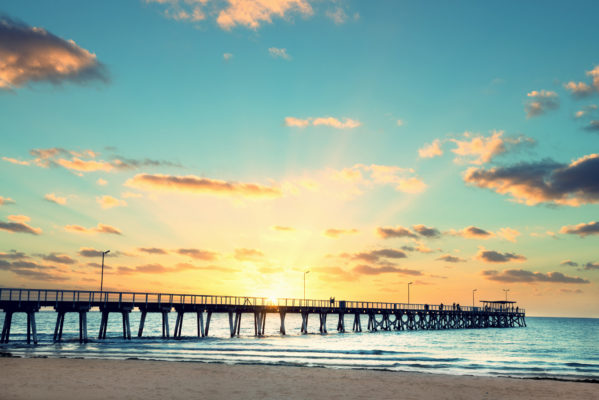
{"points": [[429, 232], [579, 89], [275, 52], [336, 233], [58, 258], [492, 256], [450, 258], [6, 200], [248, 255], [582, 229], [577, 291], [13, 255], [32, 54], [431, 150], [375, 256], [152, 250], [543, 182], [520, 275], [369, 270], [101, 182], [569, 263], [400, 122], [109, 202], [227, 56], [280, 228], [92, 253], [196, 184], [419, 247], [345, 123], [478, 149], [101, 228], [18, 224], [508, 234], [52, 198], [198, 254], [540, 102], [591, 266], [15, 161], [473, 232], [594, 74], [592, 126], [397, 232], [401, 178], [338, 15]]}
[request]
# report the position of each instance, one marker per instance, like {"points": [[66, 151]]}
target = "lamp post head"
{"points": [[106, 252], [409, 283]]}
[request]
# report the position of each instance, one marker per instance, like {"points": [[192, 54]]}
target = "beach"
{"points": [[61, 378]]}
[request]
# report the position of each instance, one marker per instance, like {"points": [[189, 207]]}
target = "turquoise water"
{"points": [[566, 348]]}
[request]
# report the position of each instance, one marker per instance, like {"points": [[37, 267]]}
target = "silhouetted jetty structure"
{"points": [[380, 316]]}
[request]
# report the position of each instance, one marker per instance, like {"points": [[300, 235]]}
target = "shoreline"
{"points": [[50, 378]]}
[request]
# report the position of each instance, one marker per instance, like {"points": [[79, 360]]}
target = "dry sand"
{"points": [[41, 378]]}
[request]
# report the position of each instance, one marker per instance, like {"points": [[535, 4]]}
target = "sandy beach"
{"points": [[47, 378]]}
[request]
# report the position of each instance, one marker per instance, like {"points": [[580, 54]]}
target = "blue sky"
{"points": [[214, 101]]}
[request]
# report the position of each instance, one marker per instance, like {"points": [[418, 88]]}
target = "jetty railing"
{"points": [[52, 297]]}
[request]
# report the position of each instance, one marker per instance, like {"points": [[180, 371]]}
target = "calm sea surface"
{"points": [[549, 347]]}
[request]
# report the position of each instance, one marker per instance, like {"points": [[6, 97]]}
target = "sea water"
{"points": [[561, 348]]}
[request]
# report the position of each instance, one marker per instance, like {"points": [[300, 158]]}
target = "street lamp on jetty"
{"points": [[102, 278], [506, 290], [409, 283], [305, 272], [474, 290]]}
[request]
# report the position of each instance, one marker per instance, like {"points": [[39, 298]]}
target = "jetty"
{"points": [[380, 316]]}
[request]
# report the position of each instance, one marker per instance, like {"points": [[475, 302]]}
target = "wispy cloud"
{"points": [[336, 233], [431, 150], [578, 89], [58, 258], [199, 185], [543, 182], [395, 232], [281, 228], [32, 54], [451, 259], [18, 224], [15, 161], [569, 263], [364, 269], [199, 254], [152, 250], [540, 102], [6, 200], [110, 202], [520, 275], [343, 123], [244, 254], [276, 52], [101, 228], [53, 198]]}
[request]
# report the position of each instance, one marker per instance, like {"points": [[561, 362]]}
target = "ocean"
{"points": [[557, 348]]}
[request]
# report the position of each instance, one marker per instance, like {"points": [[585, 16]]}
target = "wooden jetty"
{"points": [[380, 316]]}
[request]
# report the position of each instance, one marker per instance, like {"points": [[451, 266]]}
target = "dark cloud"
{"points": [[152, 250], [492, 256], [473, 232], [88, 252], [375, 255], [121, 162], [370, 270], [198, 254], [593, 126], [18, 224], [40, 275], [32, 54], [590, 266], [426, 231], [12, 255], [569, 263], [58, 258], [520, 275], [451, 259], [582, 230], [543, 182], [397, 232]]}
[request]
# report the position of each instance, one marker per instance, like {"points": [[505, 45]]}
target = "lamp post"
{"points": [[409, 283], [102, 278], [473, 296], [305, 272], [506, 290]]}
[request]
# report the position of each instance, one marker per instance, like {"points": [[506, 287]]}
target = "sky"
{"points": [[229, 146]]}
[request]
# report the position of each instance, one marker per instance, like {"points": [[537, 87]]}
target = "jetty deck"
{"points": [[380, 315]]}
